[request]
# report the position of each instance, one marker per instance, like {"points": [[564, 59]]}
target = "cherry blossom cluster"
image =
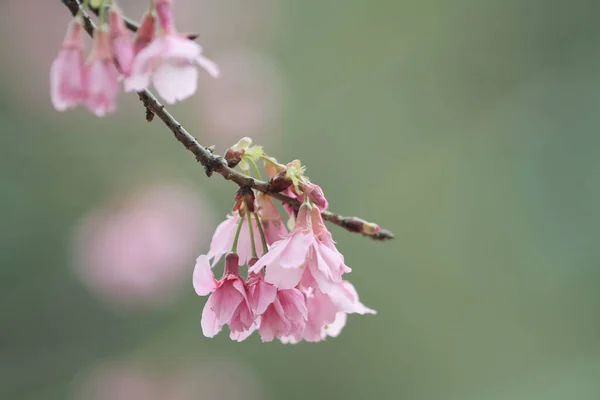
{"points": [[157, 53], [294, 288]]}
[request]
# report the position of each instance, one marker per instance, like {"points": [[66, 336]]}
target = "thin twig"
{"points": [[215, 163]]}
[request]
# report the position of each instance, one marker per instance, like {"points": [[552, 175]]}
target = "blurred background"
{"points": [[469, 128]]}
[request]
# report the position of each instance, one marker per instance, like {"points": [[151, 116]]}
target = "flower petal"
{"points": [[175, 80], [296, 251], [283, 278], [203, 279], [335, 328], [210, 325], [225, 301]]}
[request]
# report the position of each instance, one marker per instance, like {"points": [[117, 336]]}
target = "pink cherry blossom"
{"points": [[302, 252], [272, 223], [285, 316], [102, 76], [321, 312], [228, 304], [224, 236], [67, 73], [170, 60], [346, 301], [122, 43]]}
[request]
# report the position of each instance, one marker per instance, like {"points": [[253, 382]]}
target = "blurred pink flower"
{"points": [[170, 60], [211, 379], [121, 40], [67, 73], [247, 100], [113, 381], [138, 252], [102, 76]]}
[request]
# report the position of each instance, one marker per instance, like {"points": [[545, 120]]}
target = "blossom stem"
{"points": [[262, 234], [84, 5], [255, 167], [102, 15], [252, 243], [237, 235]]}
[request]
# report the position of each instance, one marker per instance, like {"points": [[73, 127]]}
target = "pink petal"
{"points": [[263, 295], [222, 239], [175, 80], [67, 79], [210, 66], [123, 51], [103, 87], [137, 82], [275, 231], [294, 304], [345, 298], [271, 257], [335, 328], [283, 278], [294, 254], [241, 336], [203, 279], [210, 326], [225, 300]]}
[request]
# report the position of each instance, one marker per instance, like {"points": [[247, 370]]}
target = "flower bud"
{"points": [[279, 182], [315, 194], [370, 228], [244, 201]]}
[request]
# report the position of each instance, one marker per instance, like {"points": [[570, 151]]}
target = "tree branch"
{"points": [[215, 163]]}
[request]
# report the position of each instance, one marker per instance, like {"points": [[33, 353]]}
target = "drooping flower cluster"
{"points": [[295, 288], [166, 58]]}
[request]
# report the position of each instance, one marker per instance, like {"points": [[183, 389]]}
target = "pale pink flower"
{"points": [[261, 293], [273, 225], [285, 316], [102, 76], [133, 251], [346, 301], [327, 313], [170, 60], [67, 73], [122, 43], [302, 252], [228, 304], [224, 236], [321, 312]]}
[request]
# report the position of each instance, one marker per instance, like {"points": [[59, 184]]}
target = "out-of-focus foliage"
{"points": [[470, 128]]}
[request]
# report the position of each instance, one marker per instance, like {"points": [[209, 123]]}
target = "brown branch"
{"points": [[215, 163]]}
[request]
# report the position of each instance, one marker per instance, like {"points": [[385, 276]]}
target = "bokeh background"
{"points": [[469, 128]]}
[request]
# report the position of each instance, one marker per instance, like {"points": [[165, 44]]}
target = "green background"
{"points": [[469, 128]]}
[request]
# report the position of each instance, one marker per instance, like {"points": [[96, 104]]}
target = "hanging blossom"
{"points": [[170, 60], [102, 76], [67, 73], [294, 289]]}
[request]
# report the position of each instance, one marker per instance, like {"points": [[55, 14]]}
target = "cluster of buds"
{"points": [[156, 53], [294, 288]]}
